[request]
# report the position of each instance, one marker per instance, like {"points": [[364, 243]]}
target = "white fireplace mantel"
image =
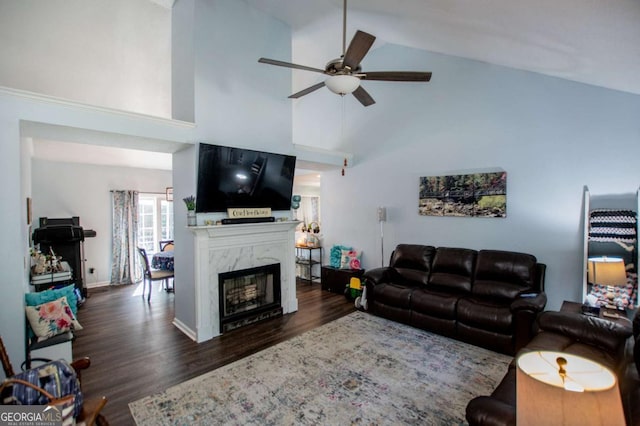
{"points": [[227, 248]]}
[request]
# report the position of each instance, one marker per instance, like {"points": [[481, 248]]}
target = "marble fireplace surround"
{"points": [[227, 248]]}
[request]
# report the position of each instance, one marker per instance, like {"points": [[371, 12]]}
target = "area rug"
{"points": [[359, 369]]}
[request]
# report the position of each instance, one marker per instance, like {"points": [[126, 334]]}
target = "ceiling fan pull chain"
{"points": [[344, 28], [342, 131]]}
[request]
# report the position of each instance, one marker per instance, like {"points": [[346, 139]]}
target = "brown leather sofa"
{"points": [[597, 339], [489, 298]]}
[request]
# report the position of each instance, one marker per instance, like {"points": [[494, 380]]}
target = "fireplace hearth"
{"points": [[249, 295]]}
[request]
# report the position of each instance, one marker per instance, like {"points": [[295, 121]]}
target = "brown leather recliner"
{"points": [[593, 338], [489, 297], [630, 386]]}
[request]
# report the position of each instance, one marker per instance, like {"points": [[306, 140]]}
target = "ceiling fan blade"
{"points": [[363, 96], [397, 76], [289, 65], [358, 48], [307, 90]]}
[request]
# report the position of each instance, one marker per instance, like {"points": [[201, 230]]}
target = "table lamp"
{"points": [[609, 272], [555, 388]]}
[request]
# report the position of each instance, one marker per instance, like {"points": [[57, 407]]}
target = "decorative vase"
{"points": [[191, 218]]}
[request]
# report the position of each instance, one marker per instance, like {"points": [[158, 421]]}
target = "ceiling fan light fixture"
{"points": [[342, 84]]}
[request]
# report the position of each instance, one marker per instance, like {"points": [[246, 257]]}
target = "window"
{"points": [[309, 209], [155, 221]]}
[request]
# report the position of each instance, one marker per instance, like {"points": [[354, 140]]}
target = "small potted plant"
{"points": [[190, 202]]}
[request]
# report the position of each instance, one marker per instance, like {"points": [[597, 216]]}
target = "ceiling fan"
{"points": [[345, 73]]}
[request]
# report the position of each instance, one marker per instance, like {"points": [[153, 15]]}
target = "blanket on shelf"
{"points": [[610, 225]]}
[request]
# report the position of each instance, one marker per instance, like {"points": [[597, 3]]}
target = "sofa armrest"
{"points": [[535, 304], [525, 311], [607, 335], [489, 411], [380, 275]]}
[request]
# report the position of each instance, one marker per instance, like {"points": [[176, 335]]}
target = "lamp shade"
{"points": [[606, 271], [555, 388], [342, 84]]}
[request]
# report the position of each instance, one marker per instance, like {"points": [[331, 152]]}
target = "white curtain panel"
{"points": [[125, 265]]}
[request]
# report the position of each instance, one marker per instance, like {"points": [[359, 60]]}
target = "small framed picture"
{"points": [[170, 193]]}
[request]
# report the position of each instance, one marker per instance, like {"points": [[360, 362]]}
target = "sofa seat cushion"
{"points": [[485, 338], [485, 314], [434, 303], [395, 295], [392, 301]]}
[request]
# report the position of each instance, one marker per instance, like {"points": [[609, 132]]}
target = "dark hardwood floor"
{"points": [[135, 350]]}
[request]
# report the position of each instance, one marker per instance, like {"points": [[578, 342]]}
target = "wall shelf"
{"points": [[617, 240]]}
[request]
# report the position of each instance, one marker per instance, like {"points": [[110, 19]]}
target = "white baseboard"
{"points": [[186, 330], [98, 284]]}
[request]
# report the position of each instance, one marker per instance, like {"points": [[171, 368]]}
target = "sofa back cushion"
{"points": [[413, 263], [453, 268], [504, 274]]}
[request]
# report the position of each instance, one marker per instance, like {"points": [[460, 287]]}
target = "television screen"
{"points": [[233, 178]]}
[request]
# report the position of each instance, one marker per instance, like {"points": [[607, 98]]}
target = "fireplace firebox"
{"points": [[249, 295]]}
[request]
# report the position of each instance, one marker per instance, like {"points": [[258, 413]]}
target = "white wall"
{"points": [[238, 101], [184, 182], [182, 61], [308, 190], [13, 218], [91, 51], [551, 136], [63, 190]]}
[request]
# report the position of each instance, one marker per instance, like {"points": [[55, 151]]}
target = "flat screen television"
{"points": [[234, 178]]}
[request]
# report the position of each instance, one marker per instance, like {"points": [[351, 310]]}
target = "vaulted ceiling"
{"points": [[593, 42]]}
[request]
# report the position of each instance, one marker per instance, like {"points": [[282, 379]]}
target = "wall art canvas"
{"points": [[469, 195]]}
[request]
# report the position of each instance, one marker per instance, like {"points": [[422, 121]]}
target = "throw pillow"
{"points": [[35, 299], [350, 259], [52, 318], [335, 255]]}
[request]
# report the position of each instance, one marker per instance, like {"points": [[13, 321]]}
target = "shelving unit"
{"points": [[612, 242], [308, 261]]}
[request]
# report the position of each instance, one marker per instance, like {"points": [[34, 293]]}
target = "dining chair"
{"points": [[166, 245], [151, 275]]}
